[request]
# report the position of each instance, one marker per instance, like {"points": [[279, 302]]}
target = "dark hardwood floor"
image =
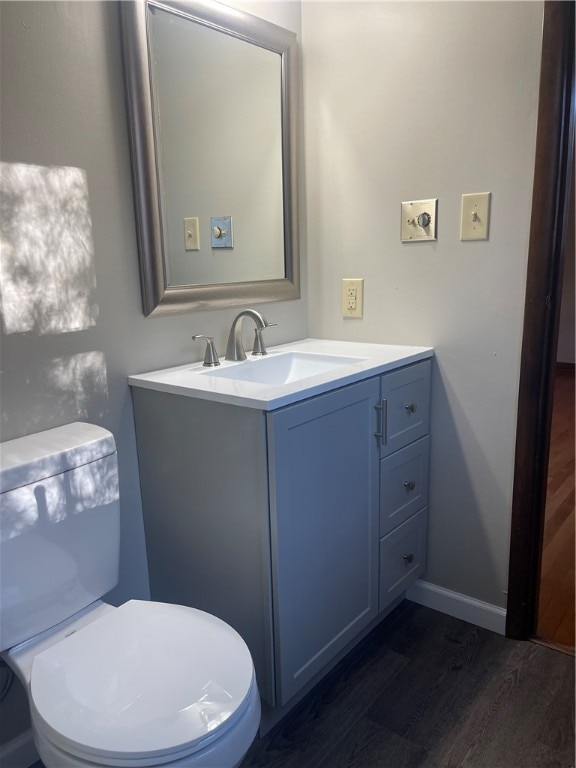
{"points": [[557, 576], [424, 689]]}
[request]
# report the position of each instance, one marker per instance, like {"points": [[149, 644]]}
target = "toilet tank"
{"points": [[59, 527]]}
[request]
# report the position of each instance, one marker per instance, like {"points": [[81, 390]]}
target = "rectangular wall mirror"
{"points": [[211, 97]]}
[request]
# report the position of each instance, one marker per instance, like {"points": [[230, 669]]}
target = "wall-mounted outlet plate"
{"points": [[419, 220], [352, 298], [221, 232]]}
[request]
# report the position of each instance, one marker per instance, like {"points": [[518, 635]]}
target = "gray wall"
{"points": [[63, 105], [63, 108], [408, 101]]}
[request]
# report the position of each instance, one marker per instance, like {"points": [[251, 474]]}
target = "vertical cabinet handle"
{"points": [[382, 408]]}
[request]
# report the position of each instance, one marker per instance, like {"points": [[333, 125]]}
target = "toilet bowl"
{"points": [[144, 684]]}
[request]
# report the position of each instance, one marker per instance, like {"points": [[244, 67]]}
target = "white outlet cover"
{"points": [[411, 230]]}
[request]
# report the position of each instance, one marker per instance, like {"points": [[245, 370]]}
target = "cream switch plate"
{"points": [[475, 216], [352, 297], [419, 220], [191, 234]]}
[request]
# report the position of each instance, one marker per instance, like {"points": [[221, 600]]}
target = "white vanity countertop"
{"points": [[195, 380]]}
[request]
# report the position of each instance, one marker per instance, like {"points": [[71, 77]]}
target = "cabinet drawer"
{"points": [[402, 557], [405, 406], [403, 484]]}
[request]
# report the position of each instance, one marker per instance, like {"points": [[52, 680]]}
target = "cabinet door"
{"points": [[324, 525], [405, 406]]}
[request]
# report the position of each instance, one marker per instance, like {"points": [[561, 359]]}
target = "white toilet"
{"points": [[145, 684]]}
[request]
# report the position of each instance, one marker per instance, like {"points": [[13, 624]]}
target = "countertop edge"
{"points": [[282, 400]]}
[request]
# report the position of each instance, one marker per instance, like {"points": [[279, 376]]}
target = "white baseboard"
{"points": [[19, 752], [460, 606]]}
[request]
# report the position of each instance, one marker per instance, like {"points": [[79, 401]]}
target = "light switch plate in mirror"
{"points": [[221, 232]]}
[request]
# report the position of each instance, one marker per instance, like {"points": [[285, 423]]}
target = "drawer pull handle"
{"points": [[408, 558], [409, 485], [412, 408], [382, 432]]}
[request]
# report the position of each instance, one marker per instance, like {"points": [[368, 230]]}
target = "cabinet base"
{"points": [[272, 716]]}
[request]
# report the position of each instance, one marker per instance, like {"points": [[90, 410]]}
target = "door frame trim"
{"points": [[549, 224]]}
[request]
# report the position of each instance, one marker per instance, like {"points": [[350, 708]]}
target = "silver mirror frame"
{"points": [[159, 298]]}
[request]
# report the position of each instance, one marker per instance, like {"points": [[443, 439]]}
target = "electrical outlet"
{"points": [[352, 298]]}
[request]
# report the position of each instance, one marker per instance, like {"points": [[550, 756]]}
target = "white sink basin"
{"points": [[287, 374], [282, 367]]}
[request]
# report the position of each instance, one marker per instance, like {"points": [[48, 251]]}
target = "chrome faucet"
{"points": [[235, 348], [210, 354]]}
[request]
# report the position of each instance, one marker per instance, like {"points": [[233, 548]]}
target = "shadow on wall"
{"points": [[74, 386], [47, 275], [47, 287], [469, 522]]}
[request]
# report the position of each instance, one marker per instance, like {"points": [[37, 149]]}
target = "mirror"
{"points": [[211, 109]]}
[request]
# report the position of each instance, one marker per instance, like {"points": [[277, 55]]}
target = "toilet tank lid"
{"points": [[44, 454]]}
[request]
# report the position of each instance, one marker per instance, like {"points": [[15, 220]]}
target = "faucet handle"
{"points": [[210, 356], [259, 346]]}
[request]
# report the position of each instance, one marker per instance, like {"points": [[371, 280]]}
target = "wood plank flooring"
{"points": [[557, 582], [427, 690]]}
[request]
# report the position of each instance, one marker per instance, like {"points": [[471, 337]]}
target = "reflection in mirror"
{"points": [[228, 92], [211, 109]]}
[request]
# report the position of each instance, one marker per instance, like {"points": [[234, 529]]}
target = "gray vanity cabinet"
{"points": [[298, 526], [404, 409], [324, 523]]}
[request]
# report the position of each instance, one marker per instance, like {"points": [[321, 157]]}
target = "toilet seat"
{"points": [[144, 683]]}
